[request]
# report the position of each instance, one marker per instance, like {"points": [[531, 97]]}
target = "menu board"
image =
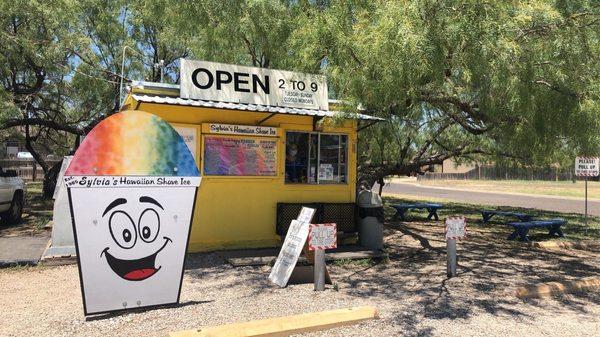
{"points": [[236, 156]]}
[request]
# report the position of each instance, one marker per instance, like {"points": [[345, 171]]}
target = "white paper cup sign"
{"points": [[456, 228], [132, 185], [322, 236]]}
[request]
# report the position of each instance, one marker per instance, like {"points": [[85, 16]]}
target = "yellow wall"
{"points": [[240, 212]]}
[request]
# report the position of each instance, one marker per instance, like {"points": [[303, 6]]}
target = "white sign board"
{"points": [[306, 214], [189, 135], [238, 84], [456, 228], [292, 247], [322, 236], [131, 210], [587, 166], [244, 130], [326, 172]]}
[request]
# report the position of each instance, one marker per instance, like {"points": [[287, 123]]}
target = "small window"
{"points": [[315, 158]]}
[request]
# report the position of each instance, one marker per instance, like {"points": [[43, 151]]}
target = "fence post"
{"points": [[34, 173]]}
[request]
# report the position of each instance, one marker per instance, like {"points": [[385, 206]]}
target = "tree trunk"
{"points": [[36, 156]]}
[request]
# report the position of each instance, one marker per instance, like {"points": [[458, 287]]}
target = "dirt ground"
{"points": [[411, 290]]}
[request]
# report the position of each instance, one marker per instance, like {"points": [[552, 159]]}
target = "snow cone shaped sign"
{"points": [[132, 185]]}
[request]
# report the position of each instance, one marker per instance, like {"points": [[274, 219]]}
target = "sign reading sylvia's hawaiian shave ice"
{"points": [[132, 185], [246, 130], [237, 84]]}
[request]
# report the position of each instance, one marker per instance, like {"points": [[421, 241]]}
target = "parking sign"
{"points": [[587, 166]]}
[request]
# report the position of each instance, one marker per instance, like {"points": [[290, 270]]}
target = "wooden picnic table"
{"points": [[522, 228], [488, 214], [432, 208]]}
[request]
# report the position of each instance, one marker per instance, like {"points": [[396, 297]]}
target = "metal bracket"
{"points": [[316, 119], [266, 118], [366, 126]]}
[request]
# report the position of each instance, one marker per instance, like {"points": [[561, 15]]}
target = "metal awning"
{"points": [[163, 99]]}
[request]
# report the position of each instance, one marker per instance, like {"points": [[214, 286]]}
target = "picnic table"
{"points": [[488, 214], [522, 228], [401, 209]]}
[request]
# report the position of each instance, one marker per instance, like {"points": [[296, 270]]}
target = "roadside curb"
{"points": [[58, 260], [544, 290], [16, 263], [593, 246]]}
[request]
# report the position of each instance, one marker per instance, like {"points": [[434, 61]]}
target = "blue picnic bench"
{"points": [[522, 228], [488, 214], [401, 209]]}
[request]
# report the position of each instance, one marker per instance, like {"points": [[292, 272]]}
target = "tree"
{"points": [[34, 60], [463, 79], [455, 79]]}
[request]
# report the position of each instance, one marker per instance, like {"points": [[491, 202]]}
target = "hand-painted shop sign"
{"points": [[292, 247], [131, 185], [244, 130], [322, 236], [456, 228], [238, 84], [587, 166]]}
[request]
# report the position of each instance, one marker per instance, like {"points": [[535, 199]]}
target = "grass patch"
{"points": [[574, 230], [34, 188], [538, 187], [37, 211]]}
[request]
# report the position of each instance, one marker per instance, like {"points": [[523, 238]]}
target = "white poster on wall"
{"points": [[238, 84], [189, 135], [326, 172]]}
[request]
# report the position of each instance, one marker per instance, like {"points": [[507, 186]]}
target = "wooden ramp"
{"points": [[263, 257], [285, 326]]}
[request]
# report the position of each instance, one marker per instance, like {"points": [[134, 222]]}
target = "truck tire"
{"points": [[13, 214]]}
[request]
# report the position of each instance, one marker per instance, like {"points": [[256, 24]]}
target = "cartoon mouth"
{"points": [[134, 270]]}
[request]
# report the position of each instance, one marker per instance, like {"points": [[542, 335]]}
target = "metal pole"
{"points": [[586, 205], [451, 257], [319, 270], [122, 70]]}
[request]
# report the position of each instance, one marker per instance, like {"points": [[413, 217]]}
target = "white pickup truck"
{"points": [[12, 193]]}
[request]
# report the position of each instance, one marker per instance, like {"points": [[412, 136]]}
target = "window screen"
{"points": [[316, 158]]}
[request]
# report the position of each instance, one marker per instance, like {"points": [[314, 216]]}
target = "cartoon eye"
{"points": [[149, 225], [122, 229]]}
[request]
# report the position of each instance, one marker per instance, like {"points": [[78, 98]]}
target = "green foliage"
{"points": [[511, 78], [466, 79]]}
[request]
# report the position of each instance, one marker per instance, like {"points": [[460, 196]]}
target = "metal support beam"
{"points": [[366, 126], [316, 119], [266, 118]]}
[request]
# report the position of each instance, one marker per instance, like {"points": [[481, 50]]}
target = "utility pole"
{"points": [[160, 65]]}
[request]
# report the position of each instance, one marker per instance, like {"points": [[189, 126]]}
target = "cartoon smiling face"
{"points": [[131, 244], [127, 234]]}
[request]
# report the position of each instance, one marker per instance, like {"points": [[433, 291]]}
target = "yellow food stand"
{"points": [[255, 145]]}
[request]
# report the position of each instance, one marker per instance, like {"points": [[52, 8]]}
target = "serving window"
{"points": [[316, 158], [239, 156]]}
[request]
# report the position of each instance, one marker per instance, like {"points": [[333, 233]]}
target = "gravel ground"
{"points": [[411, 291]]}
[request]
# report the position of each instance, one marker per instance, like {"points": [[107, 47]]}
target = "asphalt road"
{"points": [[494, 199]]}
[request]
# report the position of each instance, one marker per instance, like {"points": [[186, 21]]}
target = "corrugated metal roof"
{"points": [[248, 107]]}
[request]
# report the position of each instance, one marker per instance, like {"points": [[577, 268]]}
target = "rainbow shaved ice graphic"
{"points": [[132, 185], [133, 143]]}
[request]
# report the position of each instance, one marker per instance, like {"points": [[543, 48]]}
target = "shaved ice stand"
{"points": [[265, 143]]}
